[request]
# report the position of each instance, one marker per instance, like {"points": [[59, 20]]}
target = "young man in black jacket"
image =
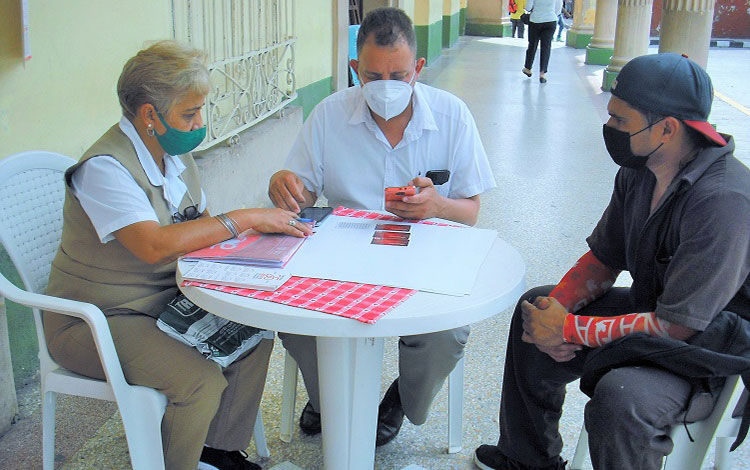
{"points": [[677, 221]]}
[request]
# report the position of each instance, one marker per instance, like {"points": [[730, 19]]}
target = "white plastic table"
{"points": [[350, 353]]}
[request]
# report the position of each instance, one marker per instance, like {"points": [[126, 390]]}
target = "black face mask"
{"points": [[618, 146]]}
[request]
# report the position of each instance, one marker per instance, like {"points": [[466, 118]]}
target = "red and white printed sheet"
{"points": [[362, 302]]}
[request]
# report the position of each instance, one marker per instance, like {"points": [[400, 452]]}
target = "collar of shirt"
{"points": [[698, 165], [421, 120], [172, 185]]}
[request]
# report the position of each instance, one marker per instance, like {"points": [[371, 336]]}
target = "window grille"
{"points": [[250, 46]]}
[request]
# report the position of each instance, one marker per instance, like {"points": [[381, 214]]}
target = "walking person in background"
{"points": [[516, 8], [541, 29], [560, 27]]}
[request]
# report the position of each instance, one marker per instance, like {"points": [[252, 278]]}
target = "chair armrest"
{"points": [[89, 313]]}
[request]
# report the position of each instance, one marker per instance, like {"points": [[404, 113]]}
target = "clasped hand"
{"points": [[423, 205], [543, 326]]}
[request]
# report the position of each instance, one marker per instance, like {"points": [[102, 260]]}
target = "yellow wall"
{"points": [[451, 7], [486, 11], [64, 97], [313, 54], [427, 12]]}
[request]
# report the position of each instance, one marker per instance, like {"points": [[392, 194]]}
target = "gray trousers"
{"points": [[628, 418], [206, 404], [424, 363]]}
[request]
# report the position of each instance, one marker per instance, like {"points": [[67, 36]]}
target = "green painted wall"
{"points": [[429, 40], [484, 29], [21, 330], [312, 94], [451, 28], [462, 22]]}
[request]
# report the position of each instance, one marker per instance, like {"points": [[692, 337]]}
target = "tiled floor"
{"points": [[554, 179]]}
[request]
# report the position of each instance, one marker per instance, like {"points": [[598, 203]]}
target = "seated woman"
{"points": [[133, 204]]}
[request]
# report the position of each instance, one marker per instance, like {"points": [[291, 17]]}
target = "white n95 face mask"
{"points": [[388, 98]]}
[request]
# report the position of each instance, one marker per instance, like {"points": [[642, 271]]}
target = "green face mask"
{"points": [[177, 142]]}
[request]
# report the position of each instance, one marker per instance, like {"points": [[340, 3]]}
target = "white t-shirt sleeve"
{"points": [[471, 174], [305, 158], [110, 196]]}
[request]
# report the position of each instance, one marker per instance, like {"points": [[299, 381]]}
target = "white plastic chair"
{"points": [[32, 192], [455, 403], [688, 455]]}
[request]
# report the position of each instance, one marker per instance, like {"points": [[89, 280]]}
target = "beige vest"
{"points": [[107, 274]]}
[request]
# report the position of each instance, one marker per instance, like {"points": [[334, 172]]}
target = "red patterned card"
{"points": [[362, 302]]}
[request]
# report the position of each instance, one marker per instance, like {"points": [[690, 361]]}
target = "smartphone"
{"points": [[438, 177], [397, 192], [316, 213]]}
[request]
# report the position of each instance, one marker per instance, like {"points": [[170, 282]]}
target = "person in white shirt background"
{"points": [[543, 22], [388, 132]]}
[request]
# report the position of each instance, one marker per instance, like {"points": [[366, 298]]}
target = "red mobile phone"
{"points": [[397, 192]]}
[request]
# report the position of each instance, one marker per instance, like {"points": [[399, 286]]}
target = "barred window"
{"points": [[250, 45]]}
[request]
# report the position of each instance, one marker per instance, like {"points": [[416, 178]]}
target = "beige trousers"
{"points": [[206, 404]]}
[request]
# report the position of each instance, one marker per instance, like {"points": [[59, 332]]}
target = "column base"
{"points": [[577, 40], [598, 55], [609, 77]]}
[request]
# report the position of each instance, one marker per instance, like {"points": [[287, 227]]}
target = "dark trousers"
{"points": [[516, 25], [628, 418], [540, 33]]}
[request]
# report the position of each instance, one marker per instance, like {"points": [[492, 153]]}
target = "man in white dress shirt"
{"points": [[388, 132]]}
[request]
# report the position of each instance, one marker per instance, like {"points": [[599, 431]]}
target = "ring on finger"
{"points": [[292, 222]]}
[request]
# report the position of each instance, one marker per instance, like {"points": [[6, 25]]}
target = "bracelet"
{"points": [[234, 223], [227, 224]]}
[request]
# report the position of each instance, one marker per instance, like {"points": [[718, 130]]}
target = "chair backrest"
{"points": [[32, 192]]}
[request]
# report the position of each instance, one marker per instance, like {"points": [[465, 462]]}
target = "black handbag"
{"points": [[526, 18]]}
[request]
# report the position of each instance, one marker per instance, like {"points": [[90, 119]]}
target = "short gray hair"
{"points": [[388, 26], [161, 75]]}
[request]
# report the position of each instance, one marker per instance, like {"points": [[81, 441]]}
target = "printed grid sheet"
{"points": [[363, 302]]}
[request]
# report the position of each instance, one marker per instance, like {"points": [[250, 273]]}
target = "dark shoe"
{"points": [[526, 72], [216, 459], [542, 80], [390, 416], [309, 421], [488, 457]]}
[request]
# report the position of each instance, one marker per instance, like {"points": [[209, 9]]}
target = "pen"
{"points": [[306, 221]]}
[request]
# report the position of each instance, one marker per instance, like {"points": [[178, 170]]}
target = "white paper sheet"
{"points": [[438, 259]]}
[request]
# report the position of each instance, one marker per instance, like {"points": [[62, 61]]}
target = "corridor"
{"points": [[554, 180]]}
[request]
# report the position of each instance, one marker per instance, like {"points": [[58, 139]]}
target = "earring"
{"points": [[150, 130]]}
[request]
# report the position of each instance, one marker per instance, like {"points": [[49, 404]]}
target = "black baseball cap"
{"points": [[669, 84]]}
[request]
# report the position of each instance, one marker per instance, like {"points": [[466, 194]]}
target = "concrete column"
{"points": [[451, 19], [484, 18], [8, 403], [686, 28], [602, 43], [632, 35], [340, 64], [428, 26], [462, 18], [580, 33]]}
